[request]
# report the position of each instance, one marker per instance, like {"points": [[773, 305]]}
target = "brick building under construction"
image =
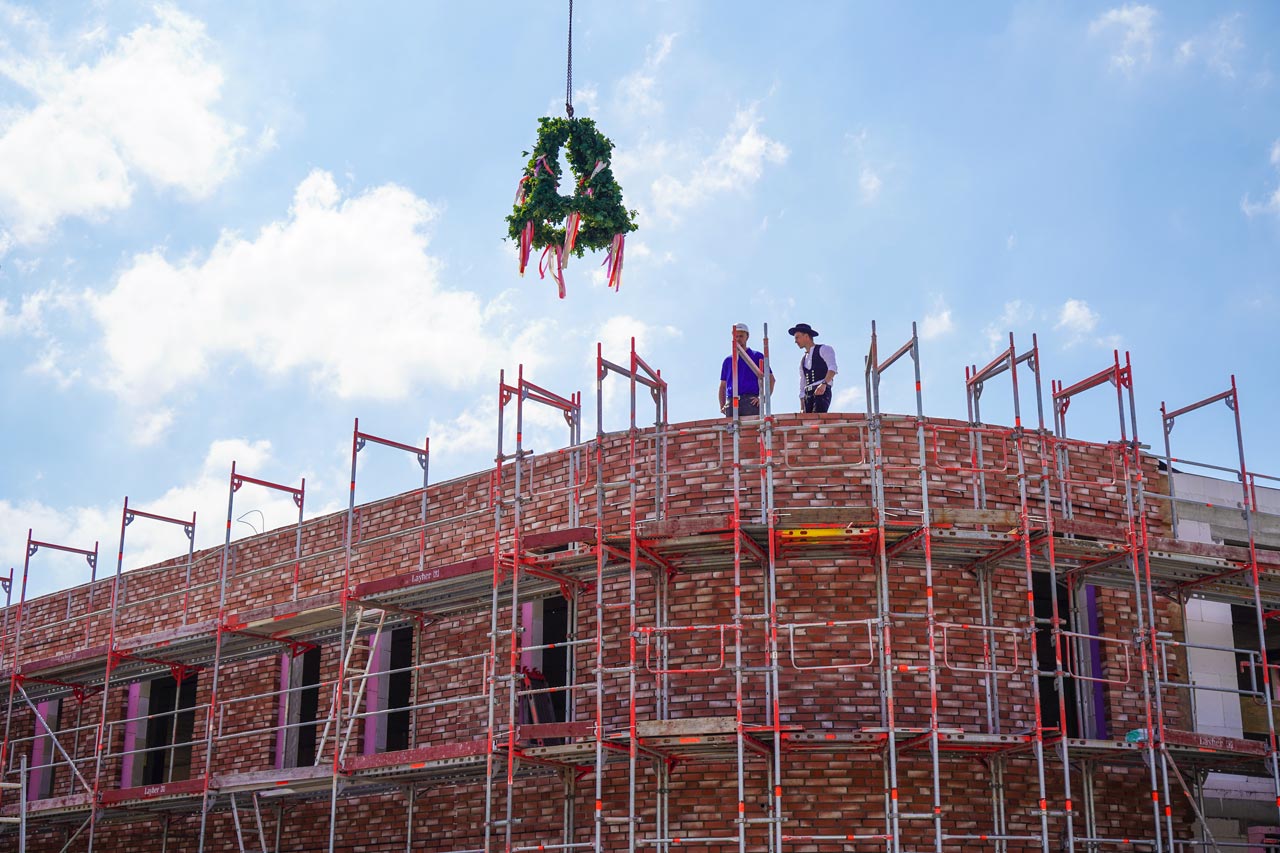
{"points": [[801, 632]]}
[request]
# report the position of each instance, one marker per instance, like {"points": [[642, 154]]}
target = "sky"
{"points": [[228, 229]]}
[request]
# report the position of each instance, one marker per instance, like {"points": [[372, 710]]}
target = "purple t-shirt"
{"points": [[746, 376]]}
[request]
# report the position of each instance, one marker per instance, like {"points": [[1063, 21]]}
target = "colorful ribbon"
{"points": [[526, 244], [613, 261], [550, 262]]}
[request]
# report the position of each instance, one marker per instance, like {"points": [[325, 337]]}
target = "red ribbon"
{"points": [[526, 244], [613, 270]]}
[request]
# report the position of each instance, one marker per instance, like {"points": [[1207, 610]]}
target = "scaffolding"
{"points": [[697, 660]]}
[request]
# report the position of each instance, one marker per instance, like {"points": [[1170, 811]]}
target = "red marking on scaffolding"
{"points": [[690, 740], [1044, 805], [1155, 796]]}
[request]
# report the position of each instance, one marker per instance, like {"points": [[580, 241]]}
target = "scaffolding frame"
{"points": [[633, 747]]}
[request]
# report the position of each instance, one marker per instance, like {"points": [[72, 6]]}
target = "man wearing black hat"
{"points": [[817, 369]]}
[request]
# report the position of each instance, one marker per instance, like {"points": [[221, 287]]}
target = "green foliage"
{"points": [[603, 214]]}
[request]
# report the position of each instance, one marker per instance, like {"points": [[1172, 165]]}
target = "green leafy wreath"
{"points": [[592, 218]]}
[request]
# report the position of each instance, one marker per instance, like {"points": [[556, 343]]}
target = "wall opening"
{"points": [[399, 690], [1051, 704], [170, 726]]}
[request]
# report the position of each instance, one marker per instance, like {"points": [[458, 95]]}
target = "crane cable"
{"points": [[568, 82]]}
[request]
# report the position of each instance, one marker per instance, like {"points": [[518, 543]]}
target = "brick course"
{"points": [[820, 465]]}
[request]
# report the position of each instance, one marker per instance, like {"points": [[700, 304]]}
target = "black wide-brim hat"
{"points": [[803, 327]]}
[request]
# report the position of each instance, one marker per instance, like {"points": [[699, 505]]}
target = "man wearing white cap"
{"points": [[748, 382]]}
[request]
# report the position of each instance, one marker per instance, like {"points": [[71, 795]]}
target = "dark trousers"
{"points": [[817, 403], [748, 407]]}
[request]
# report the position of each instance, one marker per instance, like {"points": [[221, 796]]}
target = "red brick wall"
{"points": [[820, 463]]}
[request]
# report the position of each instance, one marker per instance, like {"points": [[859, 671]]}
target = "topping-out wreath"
{"points": [[592, 218]]}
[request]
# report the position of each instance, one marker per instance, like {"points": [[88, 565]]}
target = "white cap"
{"points": [[741, 327]]}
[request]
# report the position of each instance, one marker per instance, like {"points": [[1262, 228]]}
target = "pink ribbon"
{"points": [[550, 262], [613, 260], [570, 236]]}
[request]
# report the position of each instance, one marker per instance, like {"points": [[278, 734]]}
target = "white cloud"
{"points": [[341, 290], [31, 320], [938, 322], [869, 183], [586, 102], [472, 431], [145, 107], [1077, 319], [1136, 25], [151, 426], [848, 400], [614, 336], [1221, 48], [26, 320], [637, 92], [737, 163], [148, 541], [1011, 242], [1014, 315], [1272, 202]]}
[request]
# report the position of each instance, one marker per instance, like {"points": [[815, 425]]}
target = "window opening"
{"points": [[170, 727], [1050, 709], [44, 763], [399, 690], [299, 709]]}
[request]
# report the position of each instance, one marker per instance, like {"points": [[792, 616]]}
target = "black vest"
{"points": [[817, 369]]}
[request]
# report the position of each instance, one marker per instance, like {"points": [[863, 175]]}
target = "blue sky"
{"points": [[228, 229]]}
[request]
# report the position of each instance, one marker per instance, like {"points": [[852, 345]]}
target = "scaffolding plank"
{"points": [[674, 528], [1214, 743], [185, 788], [408, 580], [687, 727], [274, 779], [1002, 518], [288, 616], [857, 516], [559, 538], [418, 756], [203, 630], [67, 660]]}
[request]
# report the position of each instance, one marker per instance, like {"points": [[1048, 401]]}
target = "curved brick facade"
{"points": [[831, 726]]}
